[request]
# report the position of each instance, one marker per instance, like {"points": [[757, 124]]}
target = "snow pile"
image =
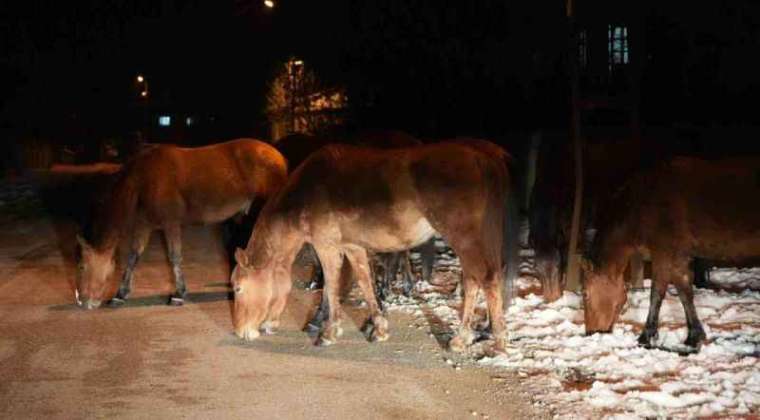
{"points": [[735, 278], [609, 374]]}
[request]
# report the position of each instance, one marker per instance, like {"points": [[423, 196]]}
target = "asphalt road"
{"points": [[149, 360]]}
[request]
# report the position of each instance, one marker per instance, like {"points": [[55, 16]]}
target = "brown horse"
{"points": [[684, 209], [164, 188], [297, 148], [347, 201]]}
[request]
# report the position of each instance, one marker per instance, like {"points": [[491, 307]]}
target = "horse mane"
{"points": [[113, 212], [623, 205]]}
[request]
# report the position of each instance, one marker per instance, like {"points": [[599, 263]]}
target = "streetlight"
{"points": [[144, 88], [269, 3]]}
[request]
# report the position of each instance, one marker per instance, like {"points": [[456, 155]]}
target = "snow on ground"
{"points": [[609, 375], [736, 277]]}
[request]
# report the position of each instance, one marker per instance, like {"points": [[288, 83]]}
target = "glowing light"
{"points": [[144, 93], [298, 62], [140, 78], [164, 120], [269, 3]]}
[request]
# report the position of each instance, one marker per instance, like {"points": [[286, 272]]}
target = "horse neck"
{"points": [[274, 240], [115, 214], [616, 248]]}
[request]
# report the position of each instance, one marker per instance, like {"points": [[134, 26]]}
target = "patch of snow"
{"points": [[609, 375]]}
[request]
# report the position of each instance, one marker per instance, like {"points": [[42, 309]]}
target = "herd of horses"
{"points": [[376, 196]]}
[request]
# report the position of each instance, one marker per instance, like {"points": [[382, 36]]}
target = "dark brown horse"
{"points": [[347, 201], [684, 209], [164, 188]]}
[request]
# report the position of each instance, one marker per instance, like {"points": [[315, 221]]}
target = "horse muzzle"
{"points": [[86, 303]]}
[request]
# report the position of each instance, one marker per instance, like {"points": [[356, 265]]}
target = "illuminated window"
{"points": [[582, 49], [189, 121], [617, 46], [164, 120]]}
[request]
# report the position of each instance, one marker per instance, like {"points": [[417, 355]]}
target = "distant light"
{"points": [[144, 93], [269, 3], [164, 120], [189, 121], [298, 62], [140, 78]]}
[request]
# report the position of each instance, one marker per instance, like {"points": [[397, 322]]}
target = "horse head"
{"points": [[604, 294], [255, 293], [95, 269]]}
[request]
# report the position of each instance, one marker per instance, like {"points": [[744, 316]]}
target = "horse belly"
{"points": [[388, 237], [217, 212]]}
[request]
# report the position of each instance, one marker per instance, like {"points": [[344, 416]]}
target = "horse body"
{"points": [[166, 187], [298, 147], [689, 208], [347, 201]]}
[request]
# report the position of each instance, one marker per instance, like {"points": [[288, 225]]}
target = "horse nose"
{"points": [[90, 304]]}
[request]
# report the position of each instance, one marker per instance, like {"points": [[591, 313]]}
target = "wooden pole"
{"points": [[573, 268]]}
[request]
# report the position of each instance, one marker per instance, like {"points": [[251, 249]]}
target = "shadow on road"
{"points": [[158, 300]]}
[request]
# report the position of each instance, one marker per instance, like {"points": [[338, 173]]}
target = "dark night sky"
{"points": [[439, 67]]}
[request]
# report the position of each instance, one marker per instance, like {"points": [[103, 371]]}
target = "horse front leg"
{"points": [[173, 234], [659, 287], [377, 325], [139, 242], [331, 260]]}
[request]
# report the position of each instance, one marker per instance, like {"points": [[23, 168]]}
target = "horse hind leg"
{"points": [[495, 300], [173, 234], [408, 275], [428, 252], [696, 334], [378, 329], [465, 336], [139, 242]]}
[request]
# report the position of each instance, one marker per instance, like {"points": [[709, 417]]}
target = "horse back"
{"points": [[207, 183], [706, 208], [400, 192]]}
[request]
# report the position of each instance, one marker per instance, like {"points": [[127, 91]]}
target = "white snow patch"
{"points": [[609, 375]]}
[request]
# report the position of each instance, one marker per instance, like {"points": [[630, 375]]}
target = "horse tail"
{"points": [[511, 236], [502, 227]]}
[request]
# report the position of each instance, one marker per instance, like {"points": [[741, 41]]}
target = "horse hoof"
{"points": [[457, 345], [645, 339], [116, 302], [312, 328], [500, 345], [176, 301], [248, 334], [323, 341], [695, 341], [378, 336], [268, 328]]}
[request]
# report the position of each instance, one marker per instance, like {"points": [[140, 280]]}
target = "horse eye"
{"points": [[237, 289]]}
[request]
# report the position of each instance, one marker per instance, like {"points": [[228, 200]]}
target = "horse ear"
{"points": [[83, 243], [242, 258]]}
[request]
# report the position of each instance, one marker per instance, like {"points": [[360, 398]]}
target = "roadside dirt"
{"points": [[148, 360]]}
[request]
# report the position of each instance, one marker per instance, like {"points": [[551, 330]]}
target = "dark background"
{"points": [[433, 68]]}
